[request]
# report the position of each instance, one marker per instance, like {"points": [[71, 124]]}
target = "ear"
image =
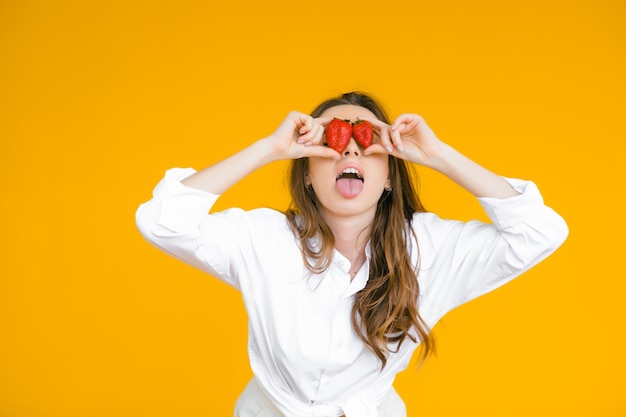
{"points": [[388, 185], [307, 181]]}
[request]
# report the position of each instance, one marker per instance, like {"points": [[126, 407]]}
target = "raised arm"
{"points": [[173, 218], [468, 259], [298, 136], [412, 139]]}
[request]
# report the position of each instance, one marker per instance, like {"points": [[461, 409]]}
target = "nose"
{"points": [[352, 149]]}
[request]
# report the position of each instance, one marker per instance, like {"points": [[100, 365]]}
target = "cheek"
{"points": [[321, 183], [320, 171], [381, 169]]}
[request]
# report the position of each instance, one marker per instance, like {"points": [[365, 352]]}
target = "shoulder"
{"points": [[258, 217], [436, 237], [431, 224], [260, 226]]}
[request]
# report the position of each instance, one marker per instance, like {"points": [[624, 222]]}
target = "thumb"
{"points": [[322, 151]]}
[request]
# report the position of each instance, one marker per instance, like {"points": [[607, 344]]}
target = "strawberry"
{"points": [[363, 132], [338, 134]]}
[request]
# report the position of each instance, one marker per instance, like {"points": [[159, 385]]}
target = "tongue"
{"points": [[349, 187]]}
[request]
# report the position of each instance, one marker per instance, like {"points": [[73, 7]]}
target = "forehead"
{"points": [[348, 111]]}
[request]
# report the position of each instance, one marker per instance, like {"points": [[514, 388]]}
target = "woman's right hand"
{"points": [[299, 136]]}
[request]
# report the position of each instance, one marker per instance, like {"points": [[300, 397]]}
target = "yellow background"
{"points": [[98, 98]]}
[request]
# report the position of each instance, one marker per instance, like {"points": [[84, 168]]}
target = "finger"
{"points": [[386, 140], [304, 125], [396, 138], [318, 134], [314, 136], [322, 151], [376, 124], [323, 121], [375, 148], [307, 131], [406, 119]]}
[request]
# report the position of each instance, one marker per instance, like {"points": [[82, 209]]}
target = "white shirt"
{"points": [[302, 347]]}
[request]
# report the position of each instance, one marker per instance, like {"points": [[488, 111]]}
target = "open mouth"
{"points": [[350, 173], [349, 182]]}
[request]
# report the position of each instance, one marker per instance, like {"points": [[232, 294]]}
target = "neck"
{"points": [[351, 235]]}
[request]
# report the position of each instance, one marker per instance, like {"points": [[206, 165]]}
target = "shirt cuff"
{"points": [[182, 207], [507, 212]]}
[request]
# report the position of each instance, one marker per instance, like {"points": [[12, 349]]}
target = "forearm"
{"points": [[221, 176], [473, 177]]}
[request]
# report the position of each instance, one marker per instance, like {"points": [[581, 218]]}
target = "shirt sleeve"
{"points": [[177, 221], [460, 261]]}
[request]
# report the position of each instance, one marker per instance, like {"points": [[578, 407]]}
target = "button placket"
{"points": [[341, 325]]}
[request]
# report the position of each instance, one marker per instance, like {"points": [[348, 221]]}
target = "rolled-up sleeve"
{"points": [[463, 260], [231, 245], [172, 220], [174, 207]]}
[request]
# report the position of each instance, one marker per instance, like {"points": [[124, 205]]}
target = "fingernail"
{"points": [[389, 148], [400, 148]]}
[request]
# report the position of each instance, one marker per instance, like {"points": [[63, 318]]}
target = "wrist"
{"points": [[442, 158], [265, 150]]}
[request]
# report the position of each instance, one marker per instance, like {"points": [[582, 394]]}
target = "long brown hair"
{"points": [[385, 311]]}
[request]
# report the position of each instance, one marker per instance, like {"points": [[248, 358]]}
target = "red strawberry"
{"points": [[338, 134], [363, 133]]}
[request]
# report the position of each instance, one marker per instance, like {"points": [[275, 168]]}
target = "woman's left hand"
{"points": [[409, 138]]}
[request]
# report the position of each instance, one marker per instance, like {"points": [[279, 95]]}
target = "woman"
{"points": [[343, 287]]}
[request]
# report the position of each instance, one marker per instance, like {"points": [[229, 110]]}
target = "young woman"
{"points": [[343, 287]]}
